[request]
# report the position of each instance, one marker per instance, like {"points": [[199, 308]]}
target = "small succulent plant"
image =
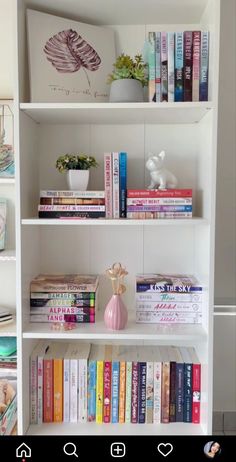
{"points": [[127, 68], [75, 162]]}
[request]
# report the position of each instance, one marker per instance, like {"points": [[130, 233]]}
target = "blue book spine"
{"points": [[187, 410], [92, 376], [158, 67], [115, 392], [179, 389], [123, 183], [142, 377], [179, 66], [203, 94]]}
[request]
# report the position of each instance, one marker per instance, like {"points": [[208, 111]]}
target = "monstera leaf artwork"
{"points": [[69, 61], [68, 52]]}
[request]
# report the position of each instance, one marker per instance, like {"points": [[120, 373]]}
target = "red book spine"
{"points": [[48, 390], [188, 65], [137, 193], [196, 384], [134, 396], [107, 392]]}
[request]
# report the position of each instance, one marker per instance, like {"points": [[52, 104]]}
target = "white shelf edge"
{"points": [[7, 255], [114, 222], [7, 181], [152, 106], [91, 428]]}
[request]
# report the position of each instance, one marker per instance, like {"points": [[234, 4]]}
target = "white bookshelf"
{"points": [[187, 132]]}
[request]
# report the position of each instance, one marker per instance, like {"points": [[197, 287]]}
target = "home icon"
{"points": [[23, 451]]}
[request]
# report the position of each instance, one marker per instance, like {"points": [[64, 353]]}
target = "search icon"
{"points": [[70, 452]]}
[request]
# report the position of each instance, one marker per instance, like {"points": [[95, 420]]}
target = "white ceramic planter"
{"points": [[126, 91], [77, 180]]}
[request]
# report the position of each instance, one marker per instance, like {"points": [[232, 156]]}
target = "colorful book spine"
{"points": [[122, 392], [179, 384], [80, 318], [188, 65], [123, 183], [115, 184], [169, 297], [33, 390], [128, 392], [196, 390], [159, 201], [158, 215], [151, 68], [172, 417], [115, 391], [71, 214], [77, 318], [83, 390], [135, 397], [142, 375], [183, 289], [66, 391], [168, 318], [204, 67], [73, 194], [169, 306], [164, 67], [58, 390], [62, 310], [71, 208], [99, 392], [67, 303], [146, 193], [74, 297], [160, 208], [73, 390], [70, 201], [40, 390], [48, 396], [108, 184], [179, 67], [157, 379], [165, 393], [171, 66], [107, 392], [196, 65], [92, 373], [158, 67], [149, 392], [188, 395]]}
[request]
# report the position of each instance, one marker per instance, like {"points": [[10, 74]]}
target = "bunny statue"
{"points": [[161, 178]]}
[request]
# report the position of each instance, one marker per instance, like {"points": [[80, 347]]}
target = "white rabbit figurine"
{"points": [[161, 178]]}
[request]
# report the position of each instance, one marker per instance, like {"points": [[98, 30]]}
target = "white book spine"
{"points": [[66, 391], [168, 318], [73, 389], [82, 403], [33, 390], [149, 392], [40, 390], [171, 66], [157, 307], [169, 297], [116, 185], [157, 392]]}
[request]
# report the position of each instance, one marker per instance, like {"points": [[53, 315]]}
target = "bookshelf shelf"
{"points": [[133, 332], [114, 222], [9, 330], [5, 181], [188, 134], [117, 113], [7, 255]]}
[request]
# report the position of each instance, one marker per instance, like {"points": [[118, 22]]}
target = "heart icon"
{"points": [[165, 449]]}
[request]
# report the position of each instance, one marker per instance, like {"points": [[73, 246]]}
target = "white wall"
{"points": [[6, 49]]}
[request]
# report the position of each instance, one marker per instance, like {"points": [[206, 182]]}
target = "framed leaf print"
{"points": [[69, 61]]}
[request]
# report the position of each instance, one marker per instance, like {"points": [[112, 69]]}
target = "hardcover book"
{"points": [[188, 65], [167, 283], [179, 66], [64, 283]]}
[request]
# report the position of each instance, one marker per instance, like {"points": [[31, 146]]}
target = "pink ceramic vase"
{"points": [[116, 315]]}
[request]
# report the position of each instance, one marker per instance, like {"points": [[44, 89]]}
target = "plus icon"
{"points": [[118, 449]]}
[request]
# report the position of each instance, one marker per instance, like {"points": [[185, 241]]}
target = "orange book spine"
{"points": [[47, 390], [58, 390], [122, 392], [165, 393]]}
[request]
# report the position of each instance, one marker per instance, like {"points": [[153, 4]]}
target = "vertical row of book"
{"points": [[115, 180], [178, 66]]}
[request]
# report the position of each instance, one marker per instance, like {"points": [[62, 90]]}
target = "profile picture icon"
{"points": [[212, 449]]}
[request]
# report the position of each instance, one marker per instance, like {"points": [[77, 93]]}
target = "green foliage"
{"points": [[127, 68], [75, 162]]}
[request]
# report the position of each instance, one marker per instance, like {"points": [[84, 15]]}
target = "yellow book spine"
{"points": [[122, 392], [99, 392], [58, 390]]}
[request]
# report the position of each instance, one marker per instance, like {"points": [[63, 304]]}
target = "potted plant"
{"points": [[77, 168], [128, 78]]}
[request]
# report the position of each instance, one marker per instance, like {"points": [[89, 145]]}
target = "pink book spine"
{"points": [[116, 184], [47, 390], [108, 184], [134, 393], [196, 64], [40, 390], [196, 393], [137, 193], [107, 392]]}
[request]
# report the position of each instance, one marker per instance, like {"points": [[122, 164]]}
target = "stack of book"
{"points": [[159, 203], [72, 204], [114, 384], [6, 317], [63, 298], [178, 66], [115, 180], [168, 299]]}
